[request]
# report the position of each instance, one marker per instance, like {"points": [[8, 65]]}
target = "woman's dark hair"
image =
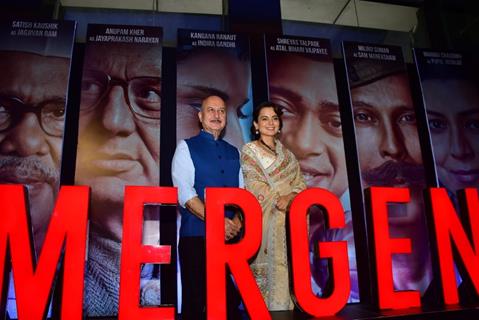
{"points": [[266, 104]]}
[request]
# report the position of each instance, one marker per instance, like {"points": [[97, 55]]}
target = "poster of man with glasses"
{"points": [[35, 64], [118, 145]]}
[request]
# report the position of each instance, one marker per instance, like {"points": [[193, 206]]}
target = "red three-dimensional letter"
{"points": [[448, 229], [386, 246], [134, 253], [67, 228], [337, 251], [236, 256]]}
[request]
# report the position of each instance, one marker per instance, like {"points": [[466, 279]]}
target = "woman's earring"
{"points": [[279, 131], [257, 131]]}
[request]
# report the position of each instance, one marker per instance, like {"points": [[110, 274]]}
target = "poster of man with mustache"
{"points": [[35, 62], [389, 151]]}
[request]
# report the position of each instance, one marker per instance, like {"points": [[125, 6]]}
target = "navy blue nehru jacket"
{"points": [[216, 164]]}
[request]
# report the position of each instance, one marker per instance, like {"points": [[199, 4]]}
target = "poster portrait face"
{"points": [[388, 143], [453, 116], [119, 128], [389, 151], [306, 91], [304, 87], [205, 72], [32, 113], [386, 130]]}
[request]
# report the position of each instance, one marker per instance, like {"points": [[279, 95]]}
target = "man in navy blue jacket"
{"points": [[205, 160]]}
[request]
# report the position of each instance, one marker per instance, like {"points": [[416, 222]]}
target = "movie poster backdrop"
{"points": [[213, 63], [301, 80], [451, 97], [118, 145], [388, 150], [35, 57]]}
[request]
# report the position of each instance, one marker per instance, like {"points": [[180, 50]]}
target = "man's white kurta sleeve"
{"points": [[183, 173]]}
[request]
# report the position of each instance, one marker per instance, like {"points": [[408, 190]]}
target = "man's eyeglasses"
{"points": [[50, 113], [142, 94]]}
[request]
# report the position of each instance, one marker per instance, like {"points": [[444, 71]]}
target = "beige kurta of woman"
{"points": [[268, 176]]}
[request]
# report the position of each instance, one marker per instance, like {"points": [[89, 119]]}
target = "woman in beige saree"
{"points": [[272, 174]]}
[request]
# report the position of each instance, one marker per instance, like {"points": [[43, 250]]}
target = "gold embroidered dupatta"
{"points": [[268, 176]]}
